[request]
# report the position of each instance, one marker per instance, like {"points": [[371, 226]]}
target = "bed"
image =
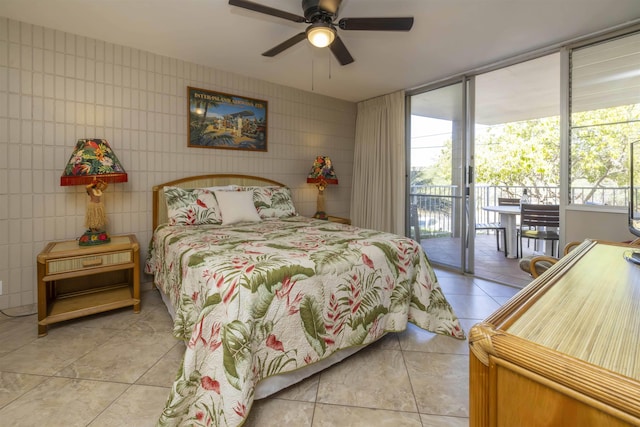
{"points": [[264, 297]]}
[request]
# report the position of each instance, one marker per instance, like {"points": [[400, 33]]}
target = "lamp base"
{"points": [[92, 238], [320, 215]]}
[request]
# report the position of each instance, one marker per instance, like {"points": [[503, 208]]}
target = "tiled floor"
{"points": [[115, 369]]}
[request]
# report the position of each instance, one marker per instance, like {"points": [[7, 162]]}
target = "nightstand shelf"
{"points": [[76, 281]]}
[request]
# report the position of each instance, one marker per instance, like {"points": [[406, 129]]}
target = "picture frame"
{"points": [[225, 121]]}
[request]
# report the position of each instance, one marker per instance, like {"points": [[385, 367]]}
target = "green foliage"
{"points": [[313, 324], [527, 153], [236, 340], [600, 145], [421, 176], [519, 154]]}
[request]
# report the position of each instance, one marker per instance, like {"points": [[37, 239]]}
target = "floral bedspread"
{"points": [[256, 299]]}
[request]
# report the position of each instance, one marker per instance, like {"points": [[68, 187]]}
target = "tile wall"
{"points": [[57, 87]]}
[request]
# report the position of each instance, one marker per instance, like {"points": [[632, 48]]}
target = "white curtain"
{"points": [[377, 196]]}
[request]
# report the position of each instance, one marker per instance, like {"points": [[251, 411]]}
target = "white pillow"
{"points": [[237, 206]]}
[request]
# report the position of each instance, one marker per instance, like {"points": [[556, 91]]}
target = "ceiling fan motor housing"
{"points": [[314, 12]]}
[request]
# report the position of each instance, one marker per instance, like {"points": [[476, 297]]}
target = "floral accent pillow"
{"points": [[191, 207], [273, 202]]}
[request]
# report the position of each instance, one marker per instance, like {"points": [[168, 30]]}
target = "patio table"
{"points": [[508, 216]]}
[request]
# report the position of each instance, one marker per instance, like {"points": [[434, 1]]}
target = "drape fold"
{"points": [[379, 168]]}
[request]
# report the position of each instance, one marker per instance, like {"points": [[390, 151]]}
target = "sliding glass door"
{"points": [[516, 149], [473, 144], [437, 189]]}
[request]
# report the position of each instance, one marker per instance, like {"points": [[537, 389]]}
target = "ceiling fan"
{"points": [[322, 32]]}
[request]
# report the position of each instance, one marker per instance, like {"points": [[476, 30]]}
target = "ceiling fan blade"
{"points": [[256, 7], [376, 24], [285, 44], [340, 51]]}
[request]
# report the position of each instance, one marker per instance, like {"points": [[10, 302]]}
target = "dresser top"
{"points": [[591, 312]]}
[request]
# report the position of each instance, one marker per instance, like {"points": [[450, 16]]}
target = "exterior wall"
{"points": [[57, 87], [610, 226]]}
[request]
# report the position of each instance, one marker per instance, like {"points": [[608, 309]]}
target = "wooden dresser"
{"points": [[565, 351]]}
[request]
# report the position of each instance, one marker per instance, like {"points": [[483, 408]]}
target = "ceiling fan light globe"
{"points": [[321, 36]]}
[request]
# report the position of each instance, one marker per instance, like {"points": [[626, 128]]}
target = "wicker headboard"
{"points": [[160, 206]]}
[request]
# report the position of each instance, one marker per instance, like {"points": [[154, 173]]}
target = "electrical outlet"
{"points": [[0, 287]]}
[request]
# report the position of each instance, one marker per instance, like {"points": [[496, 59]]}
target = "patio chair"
{"points": [[505, 201], [535, 265], [534, 220]]}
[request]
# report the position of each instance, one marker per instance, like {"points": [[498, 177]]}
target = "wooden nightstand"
{"points": [[76, 281], [338, 219]]}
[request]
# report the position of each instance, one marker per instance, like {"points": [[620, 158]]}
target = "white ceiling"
{"points": [[448, 36]]}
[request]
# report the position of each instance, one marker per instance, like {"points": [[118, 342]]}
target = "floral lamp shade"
{"points": [[321, 174], [92, 159], [93, 164]]}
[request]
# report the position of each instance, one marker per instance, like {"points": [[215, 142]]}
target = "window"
{"points": [[604, 107]]}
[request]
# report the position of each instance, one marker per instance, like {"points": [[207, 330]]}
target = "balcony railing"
{"points": [[437, 203]]}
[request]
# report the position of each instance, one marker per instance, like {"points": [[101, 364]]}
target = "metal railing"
{"points": [[436, 204]]}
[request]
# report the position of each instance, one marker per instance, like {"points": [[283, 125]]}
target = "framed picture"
{"points": [[220, 120]]}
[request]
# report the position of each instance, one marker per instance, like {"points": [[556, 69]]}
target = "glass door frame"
{"points": [[465, 177], [469, 147]]}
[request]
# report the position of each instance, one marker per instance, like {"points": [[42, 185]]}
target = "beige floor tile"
{"points": [[164, 372], [336, 416], [439, 421], [12, 386], [472, 306], [151, 298], [272, 412], [125, 357], [14, 333], [120, 319], [61, 402], [371, 378], [459, 285], [138, 406], [304, 391], [495, 289], [501, 300], [440, 383], [416, 339], [153, 319], [53, 352], [388, 342]]}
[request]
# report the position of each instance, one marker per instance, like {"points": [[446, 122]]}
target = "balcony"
{"points": [[440, 223]]}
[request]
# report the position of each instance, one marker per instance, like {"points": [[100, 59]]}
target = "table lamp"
{"points": [[321, 174], [94, 165]]}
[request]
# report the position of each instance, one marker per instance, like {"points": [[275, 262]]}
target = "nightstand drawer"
{"points": [[66, 265]]}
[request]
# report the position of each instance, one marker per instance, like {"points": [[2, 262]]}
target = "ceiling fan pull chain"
{"points": [[312, 78]]}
